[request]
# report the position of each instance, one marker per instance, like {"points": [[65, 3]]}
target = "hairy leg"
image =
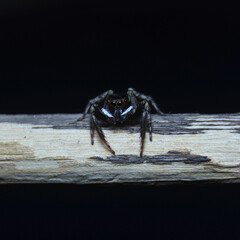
{"points": [[94, 101], [142, 131], [100, 132], [149, 124], [92, 131], [132, 99], [147, 98], [145, 123]]}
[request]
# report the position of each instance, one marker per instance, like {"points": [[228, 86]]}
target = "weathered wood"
{"points": [[185, 147]]}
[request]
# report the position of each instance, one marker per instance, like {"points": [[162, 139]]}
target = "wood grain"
{"points": [[55, 149]]}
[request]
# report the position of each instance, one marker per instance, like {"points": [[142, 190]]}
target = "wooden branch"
{"points": [[185, 147]]}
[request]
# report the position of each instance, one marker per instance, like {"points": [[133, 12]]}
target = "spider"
{"points": [[118, 109]]}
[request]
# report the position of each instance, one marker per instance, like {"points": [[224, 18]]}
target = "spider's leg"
{"points": [[149, 123], [100, 132], [133, 100], [92, 131], [148, 98], [155, 106], [146, 122], [94, 101], [143, 130]]}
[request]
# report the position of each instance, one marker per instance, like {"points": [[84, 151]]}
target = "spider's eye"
{"points": [[119, 103]]}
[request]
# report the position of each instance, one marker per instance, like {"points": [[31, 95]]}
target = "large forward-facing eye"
{"points": [[106, 112], [119, 103], [127, 110]]}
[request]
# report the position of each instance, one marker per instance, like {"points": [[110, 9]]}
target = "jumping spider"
{"points": [[117, 109]]}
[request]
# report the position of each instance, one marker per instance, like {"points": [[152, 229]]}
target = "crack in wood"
{"points": [[164, 159]]}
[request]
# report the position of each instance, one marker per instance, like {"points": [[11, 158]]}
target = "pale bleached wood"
{"points": [[185, 148]]}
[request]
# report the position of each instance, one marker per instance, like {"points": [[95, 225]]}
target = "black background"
{"points": [[55, 56]]}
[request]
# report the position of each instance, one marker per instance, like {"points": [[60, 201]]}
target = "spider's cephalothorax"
{"points": [[118, 109]]}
